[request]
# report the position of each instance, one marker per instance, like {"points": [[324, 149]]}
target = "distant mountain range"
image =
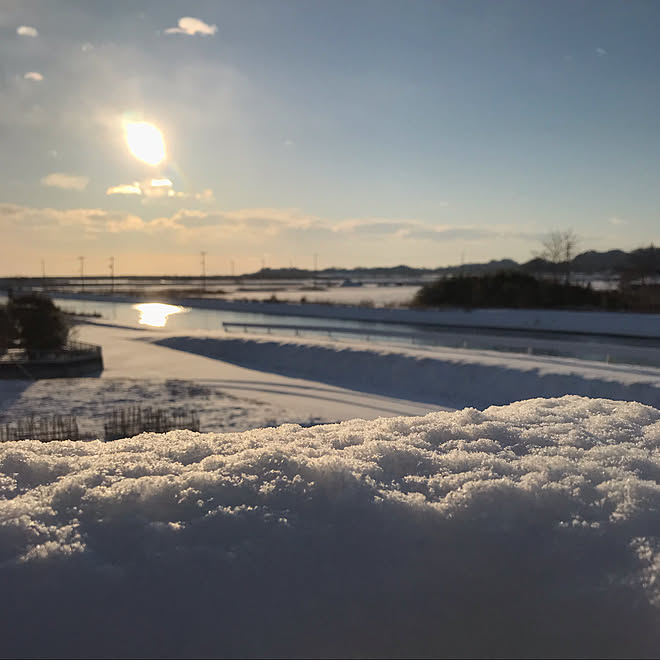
{"points": [[612, 262], [643, 262]]}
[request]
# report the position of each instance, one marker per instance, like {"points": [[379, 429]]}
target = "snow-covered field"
{"points": [[524, 530], [226, 397], [237, 382]]}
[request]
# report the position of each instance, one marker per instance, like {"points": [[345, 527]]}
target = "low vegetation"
{"points": [[515, 289], [32, 322]]}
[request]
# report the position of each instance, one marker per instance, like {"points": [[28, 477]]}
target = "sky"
{"points": [[365, 133]]}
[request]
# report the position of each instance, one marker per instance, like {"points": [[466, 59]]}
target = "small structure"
{"points": [[74, 359]]}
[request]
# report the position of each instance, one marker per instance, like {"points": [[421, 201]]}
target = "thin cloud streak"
{"points": [[268, 221], [124, 189], [65, 181], [33, 75]]}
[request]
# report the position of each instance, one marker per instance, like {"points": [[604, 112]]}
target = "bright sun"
{"points": [[145, 142]]}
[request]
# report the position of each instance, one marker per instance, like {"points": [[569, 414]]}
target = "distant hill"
{"points": [[598, 262], [590, 262]]}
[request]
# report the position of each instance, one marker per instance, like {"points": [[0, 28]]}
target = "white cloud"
{"points": [[161, 182], [66, 181], [86, 47], [147, 188], [27, 31], [601, 52], [158, 189], [124, 189], [33, 75], [191, 26]]}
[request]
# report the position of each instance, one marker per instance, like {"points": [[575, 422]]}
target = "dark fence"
{"points": [[128, 422], [44, 429], [122, 423]]}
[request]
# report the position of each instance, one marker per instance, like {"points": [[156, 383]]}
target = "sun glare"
{"points": [[155, 314], [145, 142]]}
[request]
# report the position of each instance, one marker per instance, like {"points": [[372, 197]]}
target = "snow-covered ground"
{"points": [[451, 377], [237, 382], [524, 530], [226, 397]]}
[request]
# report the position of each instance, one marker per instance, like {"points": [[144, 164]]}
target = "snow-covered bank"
{"points": [[525, 530], [622, 324], [445, 376]]}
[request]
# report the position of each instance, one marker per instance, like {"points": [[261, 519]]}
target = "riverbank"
{"points": [[604, 324]]}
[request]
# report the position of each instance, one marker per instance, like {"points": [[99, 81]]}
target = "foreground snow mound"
{"points": [[528, 529]]}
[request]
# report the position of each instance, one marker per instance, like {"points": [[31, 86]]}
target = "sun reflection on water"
{"points": [[155, 314]]}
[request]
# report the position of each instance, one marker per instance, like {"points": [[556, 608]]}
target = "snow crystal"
{"points": [[526, 529]]}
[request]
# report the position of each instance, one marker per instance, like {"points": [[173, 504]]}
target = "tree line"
{"points": [[546, 282]]}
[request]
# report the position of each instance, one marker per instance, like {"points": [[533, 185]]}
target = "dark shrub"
{"points": [[506, 289], [39, 324]]}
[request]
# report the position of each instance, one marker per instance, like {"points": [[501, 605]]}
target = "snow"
{"points": [[226, 397], [238, 382], [448, 377], [527, 529]]}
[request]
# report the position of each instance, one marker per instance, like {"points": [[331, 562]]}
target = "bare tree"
{"points": [[559, 248]]}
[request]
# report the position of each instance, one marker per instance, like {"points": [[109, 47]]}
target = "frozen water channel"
{"points": [[586, 346]]}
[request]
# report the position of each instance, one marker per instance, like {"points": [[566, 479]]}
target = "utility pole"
{"points": [[82, 273], [43, 274], [111, 265], [232, 268], [203, 255], [316, 266]]}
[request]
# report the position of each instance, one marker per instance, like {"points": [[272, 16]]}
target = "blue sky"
{"points": [[370, 133]]}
